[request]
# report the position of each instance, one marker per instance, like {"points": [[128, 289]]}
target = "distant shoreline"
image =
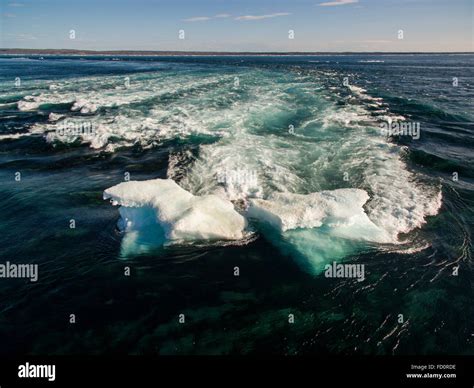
{"points": [[205, 53]]}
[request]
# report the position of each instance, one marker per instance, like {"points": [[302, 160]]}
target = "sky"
{"points": [[239, 25]]}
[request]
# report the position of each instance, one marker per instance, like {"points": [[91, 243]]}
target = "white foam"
{"points": [[357, 89], [29, 103], [84, 106], [284, 177], [55, 117], [130, 126], [295, 171], [14, 136], [362, 94], [400, 202], [180, 215]]}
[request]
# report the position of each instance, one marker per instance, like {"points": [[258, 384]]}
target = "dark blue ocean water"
{"points": [[187, 118]]}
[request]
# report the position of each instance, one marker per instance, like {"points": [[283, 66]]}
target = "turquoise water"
{"points": [[282, 134]]}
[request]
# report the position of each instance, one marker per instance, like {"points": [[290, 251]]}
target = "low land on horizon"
{"points": [[18, 51]]}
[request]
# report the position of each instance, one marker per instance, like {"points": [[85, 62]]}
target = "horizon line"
{"points": [[47, 51]]}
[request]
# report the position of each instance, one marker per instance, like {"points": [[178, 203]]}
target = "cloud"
{"points": [[337, 2], [16, 4], [197, 19], [22, 37], [226, 15], [260, 17], [9, 15], [205, 18]]}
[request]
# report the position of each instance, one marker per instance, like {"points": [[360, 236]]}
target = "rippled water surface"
{"points": [[299, 137]]}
